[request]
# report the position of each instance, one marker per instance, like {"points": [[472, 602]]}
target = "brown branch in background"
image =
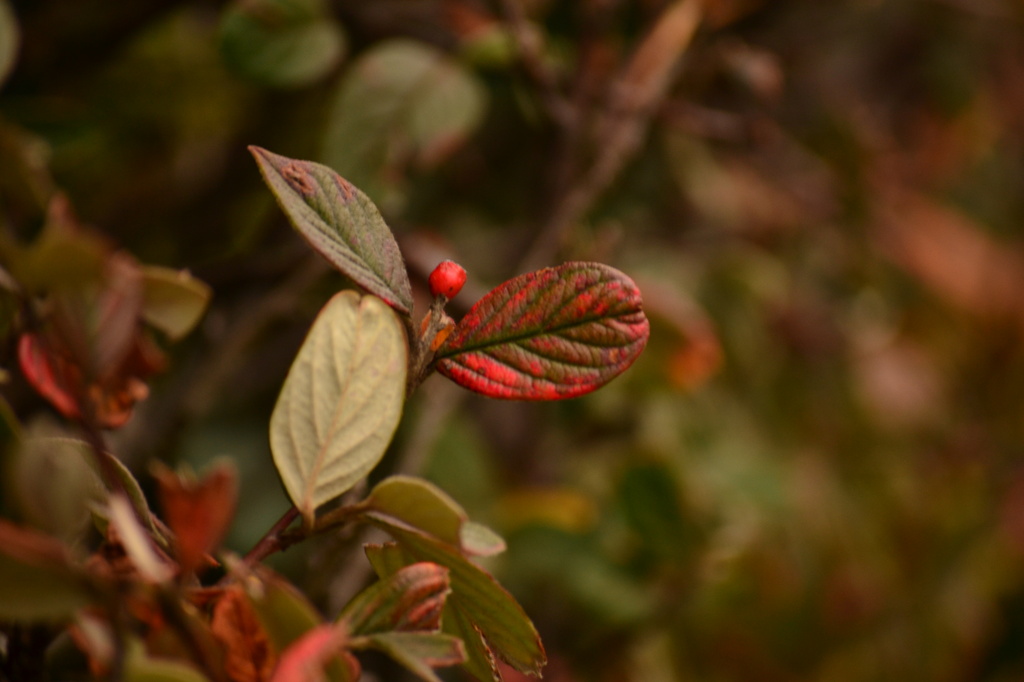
{"points": [[632, 99], [271, 541], [531, 55]]}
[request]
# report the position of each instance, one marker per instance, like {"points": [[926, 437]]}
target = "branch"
{"points": [[531, 55], [632, 99]]}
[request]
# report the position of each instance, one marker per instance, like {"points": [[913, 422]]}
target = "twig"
{"points": [[632, 99], [531, 55], [271, 541]]}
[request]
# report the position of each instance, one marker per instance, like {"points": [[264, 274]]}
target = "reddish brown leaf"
{"points": [[51, 375], [249, 656], [547, 335], [199, 512], [304, 660]]}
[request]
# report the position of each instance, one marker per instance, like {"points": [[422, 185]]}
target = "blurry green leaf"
{"points": [[340, 223], [650, 500], [411, 599], [37, 578], [402, 102], [477, 539], [54, 483], [581, 573], [9, 40], [419, 652], [317, 652], [423, 505], [284, 612], [477, 602], [61, 258], [341, 401], [281, 43], [173, 301], [139, 667]]}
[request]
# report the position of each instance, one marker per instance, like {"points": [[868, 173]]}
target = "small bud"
{"points": [[447, 279]]}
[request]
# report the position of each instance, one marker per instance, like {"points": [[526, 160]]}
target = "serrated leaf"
{"points": [[548, 335], [173, 301], [419, 652], [401, 102], [420, 504], [9, 40], [409, 600], [477, 602], [281, 43], [341, 401], [340, 223]]}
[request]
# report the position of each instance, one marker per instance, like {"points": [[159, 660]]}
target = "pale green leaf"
{"points": [[173, 301], [422, 505], [401, 102], [281, 43], [340, 223], [341, 401], [53, 483]]}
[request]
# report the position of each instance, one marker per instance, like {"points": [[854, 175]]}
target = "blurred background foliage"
{"points": [[815, 470]]}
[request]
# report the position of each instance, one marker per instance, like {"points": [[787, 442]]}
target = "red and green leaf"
{"points": [[409, 601], [479, 610], [340, 223], [547, 335]]}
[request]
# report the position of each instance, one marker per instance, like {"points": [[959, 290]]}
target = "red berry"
{"points": [[447, 279]]}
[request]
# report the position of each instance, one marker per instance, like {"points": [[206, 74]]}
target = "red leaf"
{"points": [[304, 660], [199, 512], [547, 335], [51, 376], [249, 656]]}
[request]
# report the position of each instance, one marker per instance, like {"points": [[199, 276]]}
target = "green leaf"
{"points": [[651, 502], [173, 301], [401, 102], [139, 667], [281, 43], [409, 600], [341, 401], [419, 652], [423, 505], [548, 335], [284, 612], [38, 580], [389, 558], [477, 602], [54, 483], [340, 223], [9, 40]]}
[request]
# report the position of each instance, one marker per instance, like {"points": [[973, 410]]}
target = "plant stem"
{"points": [[271, 540]]}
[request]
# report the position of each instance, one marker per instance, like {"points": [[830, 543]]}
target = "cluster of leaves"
{"points": [[814, 469], [81, 313]]}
